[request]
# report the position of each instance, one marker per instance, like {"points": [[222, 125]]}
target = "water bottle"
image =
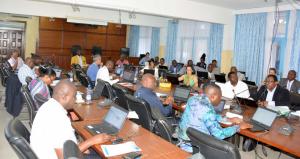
{"points": [[89, 93], [299, 91], [135, 75]]}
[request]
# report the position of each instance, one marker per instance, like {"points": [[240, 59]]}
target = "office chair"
{"points": [[120, 98], [211, 147], [143, 110], [71, 150], [29, 103], [18, 136], [40, 100], [294, 101], [163, 129], [104, 89], [83, 79]]}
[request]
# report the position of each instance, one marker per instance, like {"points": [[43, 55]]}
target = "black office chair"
{"points": [[29, 103], [83, 79], [18, 136], [28, 80], [40, 100], [164, 130], [104, 89], [210, 147], [120, 98], [295, 101], [143, 110], [71, 150]]}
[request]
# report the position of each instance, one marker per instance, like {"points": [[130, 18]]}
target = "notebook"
{"points": [[112, 123]]}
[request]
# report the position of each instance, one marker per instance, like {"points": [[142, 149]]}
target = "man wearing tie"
{"points": [[290, 83]]}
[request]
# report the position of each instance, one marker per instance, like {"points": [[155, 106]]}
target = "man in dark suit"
{"points": [[290, 83], [272, 94]]}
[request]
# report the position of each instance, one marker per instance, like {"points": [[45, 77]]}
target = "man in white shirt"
{"points": [[235, 87], [52, 126], [103, 73], [26, 71], [272, 94]]}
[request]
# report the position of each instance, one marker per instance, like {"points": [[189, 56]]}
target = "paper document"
{"points": [[232, 115], [132, 115], [280, 109], [119, 149], [297, 113]]}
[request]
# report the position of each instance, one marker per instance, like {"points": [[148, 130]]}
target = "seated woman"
{"points": [[189, 79], [77, 56], [40, 84]]}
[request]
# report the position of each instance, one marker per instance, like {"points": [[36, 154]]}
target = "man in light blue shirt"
{"points": [[93, 68], [26, 71], [145, 59]]}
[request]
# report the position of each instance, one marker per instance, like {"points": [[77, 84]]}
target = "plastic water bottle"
{"points": [[135, 75], [89, 93], [299, 91]]}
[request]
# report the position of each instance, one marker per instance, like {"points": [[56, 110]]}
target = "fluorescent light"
{"points": [[86, 21]]}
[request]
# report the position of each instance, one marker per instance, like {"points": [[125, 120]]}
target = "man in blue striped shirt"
{"points": [[26, 71]]}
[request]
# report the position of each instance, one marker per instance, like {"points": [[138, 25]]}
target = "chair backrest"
{"points": [[142, 109], [71, 150], [18, 136], [83, 79], [103, 88], [294, 101], [211, 147], [163, 129], [40, 99], [120, 98], [29, 103]]}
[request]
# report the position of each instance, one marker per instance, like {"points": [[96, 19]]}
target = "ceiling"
{"points": [[240, 4]]}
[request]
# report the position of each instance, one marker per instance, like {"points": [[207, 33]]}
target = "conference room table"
{"points": [[289, 144], [152, 146]]}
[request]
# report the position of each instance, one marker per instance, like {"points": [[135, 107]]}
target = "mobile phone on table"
{"points": [[132, 155]]}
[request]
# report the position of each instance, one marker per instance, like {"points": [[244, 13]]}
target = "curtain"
{"points": [[170, 50], [249, 44], [155, 41], [295, 54], [133, 42], [215, 42]]}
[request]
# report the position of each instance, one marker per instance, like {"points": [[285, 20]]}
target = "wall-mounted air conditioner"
{"points": [[81, 20]]}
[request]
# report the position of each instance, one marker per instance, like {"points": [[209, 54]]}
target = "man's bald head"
{"points": [[64, 92], [148, 81], [214, 93]]}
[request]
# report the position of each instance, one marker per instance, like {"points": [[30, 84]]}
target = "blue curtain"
{"points": [[155, 41], [133, 42], [215, 42], [170, 52], [295, 55], [249, 44]]}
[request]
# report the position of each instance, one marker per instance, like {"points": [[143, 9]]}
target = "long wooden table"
{"points": [[289, 144], [152, 145]]}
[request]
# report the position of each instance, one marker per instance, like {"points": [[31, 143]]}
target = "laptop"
{"points": [[162, 73], [173, 78], [181, 94], [112, 123], [149, 71], [220, 78], [163, 67], [128, 76], [250, 83], [219, 109], [202, 74], [263, 119]]}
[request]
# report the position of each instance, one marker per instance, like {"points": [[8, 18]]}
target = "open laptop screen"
{"points": [[181, 93], [264, 116], [128, 75], [116, 117]]}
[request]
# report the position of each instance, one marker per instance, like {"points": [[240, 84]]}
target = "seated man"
{"points": [[122, 61], [240, 75], [290, 83], [272, 94], [93, 69], [146, 92], [15, 61], [200, 114], [103, 73], [235, 87], [162, 62], [52, 127], [174, 68], [211, 75], [26, 71]]}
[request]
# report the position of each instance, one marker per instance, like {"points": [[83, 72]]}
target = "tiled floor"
{"points": [[6, 151]]}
